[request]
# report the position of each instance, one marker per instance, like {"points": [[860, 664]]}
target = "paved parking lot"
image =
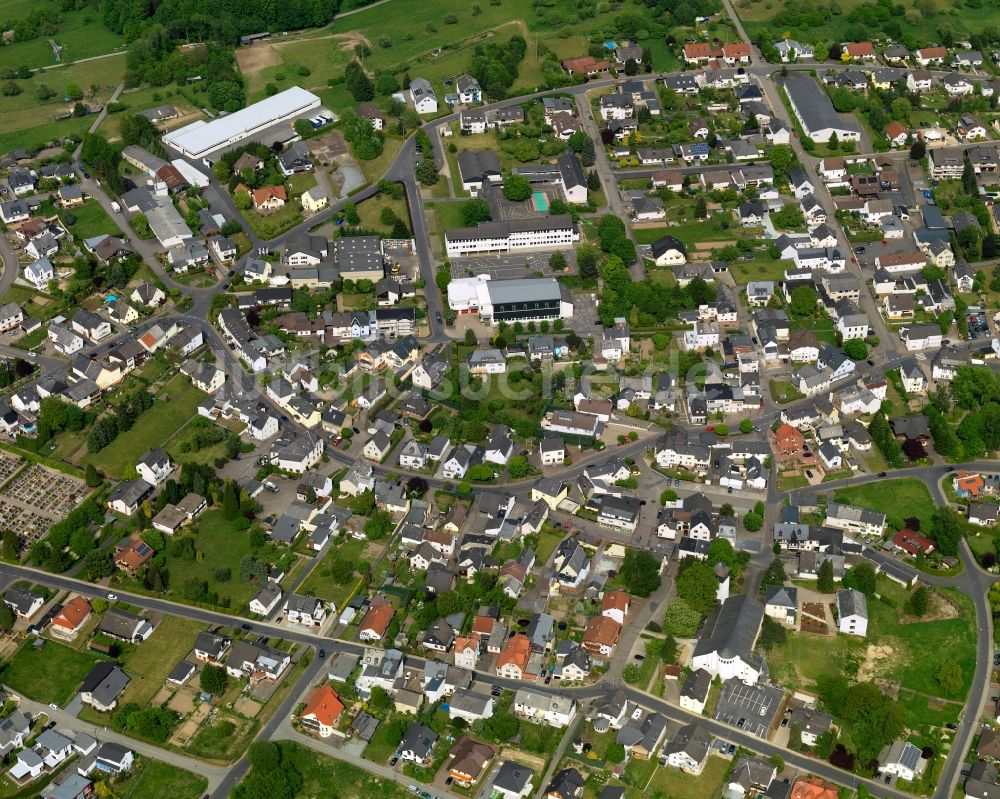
{"points": [[585, 320], [409, 264], [876, 249]]}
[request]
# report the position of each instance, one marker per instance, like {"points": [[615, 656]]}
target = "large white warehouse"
{"points": [[200, 138]]}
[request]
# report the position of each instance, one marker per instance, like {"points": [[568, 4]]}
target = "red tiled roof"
{"points": [[615, 600], [858, 49], [261, 196], [912, 543], [699, 50], [601, 631], [516, 651], [893, 130], [324, 705], [377, 618], [736, 50], [72, 614]]}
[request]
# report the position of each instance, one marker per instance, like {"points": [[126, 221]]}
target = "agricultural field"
{"points": [[770, 19], [415, 38], [26, 120]]}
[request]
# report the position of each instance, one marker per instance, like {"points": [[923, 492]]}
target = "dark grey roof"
{"points": [[851, 603], [565, 784], [782, 595], [512, 777], [814, 105], [130, 491], [181, 671], [732, 627], [478, 164], [21, 599], [105, 682], [419, 739], [692, 739], [664, 243]]}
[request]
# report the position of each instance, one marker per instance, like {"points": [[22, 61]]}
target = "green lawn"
{"points": [[678, 785], [804, 658], [370, 210], [761, 19], [547, 542], [149, 663], [446, 215], [50, 674], [35, 136], [784, 392], [155, 778], [194, 455], [268, 225], [219, 545], [383, 744], [319, 582], [415, 37], [377, 167], [34, 304], [918, 649], [691, 233], [175, 404], [319, 773], [792, 482], [898, 499], [91, 220], [920, 714], [31, 340], [220, 739], [26, 121], [761, 268], [81, 33]]}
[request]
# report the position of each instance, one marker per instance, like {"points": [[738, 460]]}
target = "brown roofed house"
{"points": [[585, 65], [132, 553], [68, 621], [469, 760], [601, 636], [376, 621]]}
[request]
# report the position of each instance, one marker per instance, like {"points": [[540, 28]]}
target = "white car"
{"points": [[112, 597]]}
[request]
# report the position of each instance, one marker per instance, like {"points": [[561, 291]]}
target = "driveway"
{"points": [[75, 706]]}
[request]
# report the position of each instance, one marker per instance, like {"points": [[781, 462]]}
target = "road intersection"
{"points": [[972, 581]]}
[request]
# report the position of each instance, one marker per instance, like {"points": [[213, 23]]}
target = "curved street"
{"points": [[972, 581]]}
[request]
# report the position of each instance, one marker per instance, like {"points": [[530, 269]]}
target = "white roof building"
{"points": [[199, 138]]}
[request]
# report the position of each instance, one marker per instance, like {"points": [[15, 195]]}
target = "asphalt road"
{"points": [[64, 721], [972, 581]]}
